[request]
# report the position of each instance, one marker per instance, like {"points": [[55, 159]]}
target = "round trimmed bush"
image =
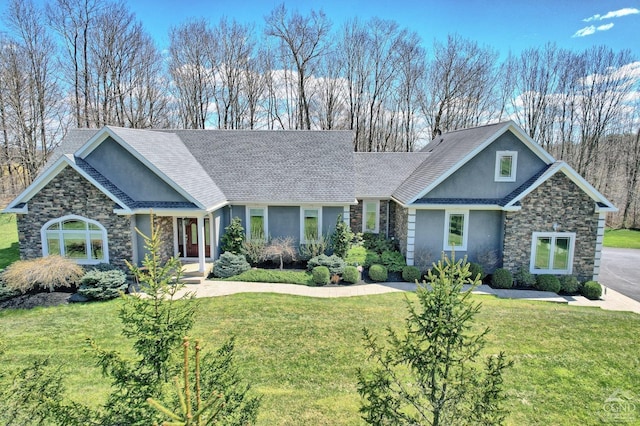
{"points": [[592, 290], [476, 269], [102, 284], [230, 264], [321, 275], [334, 263], [569, 284], [378, 273], [351, 275], [502, 278], [546, 282], [411, 274], [524, 278]]}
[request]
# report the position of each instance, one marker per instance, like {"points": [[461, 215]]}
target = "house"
{"points": [[485, 192]]}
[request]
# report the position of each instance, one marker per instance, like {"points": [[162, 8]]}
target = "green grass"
{"points": [[9, 252], [274, 276], [301, 354], [622, 238]]}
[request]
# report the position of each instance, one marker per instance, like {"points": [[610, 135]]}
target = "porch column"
{"points": [[599, 242], [201, 253]]}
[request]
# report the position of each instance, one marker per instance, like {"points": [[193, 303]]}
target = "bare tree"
{"points": [[460, 82], [305, 39], [192, 72]]}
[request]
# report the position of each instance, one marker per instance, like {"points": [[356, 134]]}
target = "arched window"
{"points": [[83, 240]]}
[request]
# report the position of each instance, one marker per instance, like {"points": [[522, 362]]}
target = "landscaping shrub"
{"points": [[6, 292], [334, 263], [411, 274], [351, 274], [592, 290], [502, 278], [378, 243], [314, 248], [356, 256], [233, 237], [102, 285], [524, 278], [341, 238], [569, 284], [475, 269], [546, 282], [49, 273], [393, 260], [274, 276], [320, 275], [255, 251], [371, 258], [281, 250], [378, 273], [101, 267], [230, 264]]}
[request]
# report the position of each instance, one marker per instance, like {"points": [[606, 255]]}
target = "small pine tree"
{"points": [[233, 237], [428, 375], [341, 238]]}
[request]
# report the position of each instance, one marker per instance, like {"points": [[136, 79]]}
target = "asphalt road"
{"points": [[620, 270]]}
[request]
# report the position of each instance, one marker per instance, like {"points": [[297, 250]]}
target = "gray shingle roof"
{"points": [[445, 151], [276, 166], [378, 174]]}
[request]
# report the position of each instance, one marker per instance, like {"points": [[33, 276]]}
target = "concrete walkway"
{"points": [[611, 300]]}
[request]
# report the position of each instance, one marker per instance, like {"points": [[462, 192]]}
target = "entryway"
{"points": [[188, 237]]}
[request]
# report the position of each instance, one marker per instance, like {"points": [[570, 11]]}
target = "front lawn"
{"points": [[9, 252], [301, 353], [622, 238]]}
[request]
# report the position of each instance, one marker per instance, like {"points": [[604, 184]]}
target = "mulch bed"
{"points": [[28, 301]]}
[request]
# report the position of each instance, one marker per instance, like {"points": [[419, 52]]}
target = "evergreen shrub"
{"points": [[321, 275], [351, 274], [501, 278], [592, 290], [102, 285], [547, 282], [230, 264], [569, 284], [411, 274], [334, 263], [378, 273]]}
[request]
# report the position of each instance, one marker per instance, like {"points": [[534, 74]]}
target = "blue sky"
{"points": [[507, 25]]}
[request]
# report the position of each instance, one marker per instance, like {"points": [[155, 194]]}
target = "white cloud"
{"points": [[585, 31], [613, 14], [591, 29], [605, 27]]}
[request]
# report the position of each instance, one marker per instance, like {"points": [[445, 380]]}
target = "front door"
{"points": [[188, 237]]}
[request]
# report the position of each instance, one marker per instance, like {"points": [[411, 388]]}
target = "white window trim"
{"points": [[514, 166], [553, 236], [364, 216], [303, 240], [465, 230], [88, 261], [265, 214]]}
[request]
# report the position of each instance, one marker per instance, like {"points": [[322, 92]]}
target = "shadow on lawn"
{"points": [[9, 255]]}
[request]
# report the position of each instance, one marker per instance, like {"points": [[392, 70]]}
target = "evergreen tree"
{"points": [[429, 375]]}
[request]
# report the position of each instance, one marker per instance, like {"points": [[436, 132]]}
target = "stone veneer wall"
{"points": [[164, 227], [66, 194], [355, 217], [400, 220], [560, 201]]}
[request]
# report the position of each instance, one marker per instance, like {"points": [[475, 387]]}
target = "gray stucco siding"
{"points": [[129, 174], [143, 224], [284, 221], [330, 218], [485, 235], [476, 179], [240, 212]]}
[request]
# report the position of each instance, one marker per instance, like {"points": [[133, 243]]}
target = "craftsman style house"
{"points": [[485, 191]]}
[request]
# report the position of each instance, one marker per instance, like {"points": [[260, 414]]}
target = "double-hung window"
{"points": [[456, 230], [310, 224], [552, 252], [256, 223], [77, 238], [506, 164], [370, 216]]}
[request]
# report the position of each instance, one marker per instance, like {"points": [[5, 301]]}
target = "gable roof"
{"points": [[452, 150], [603, 205], [378, 174]]}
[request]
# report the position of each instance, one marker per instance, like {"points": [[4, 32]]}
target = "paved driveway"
{"points": [[620, 270]]}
